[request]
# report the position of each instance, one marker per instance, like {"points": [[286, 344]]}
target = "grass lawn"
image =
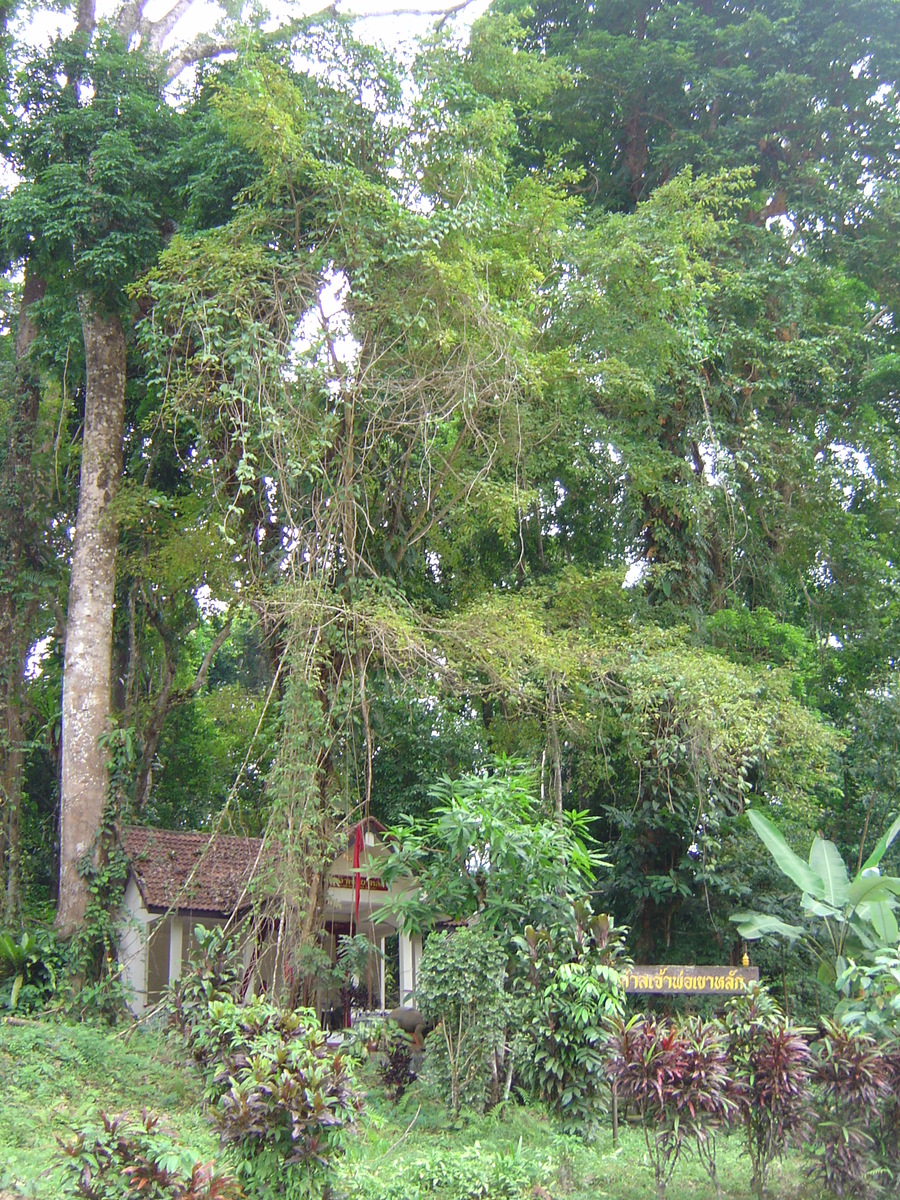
{"points": [[55, 1075], [412, 1150]]}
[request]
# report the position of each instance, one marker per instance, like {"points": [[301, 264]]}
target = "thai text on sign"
{"points": [[689, 979]]}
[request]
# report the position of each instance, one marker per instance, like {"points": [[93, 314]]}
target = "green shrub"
{"points": [[475, 1172], [215, 972], [30, 967], [461, 988], [569, 986], [282, 1100], [392, 1048], [873, 991]]}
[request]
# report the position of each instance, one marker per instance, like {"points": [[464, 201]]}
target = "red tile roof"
{"points": [[191, 872], [199, 872]]}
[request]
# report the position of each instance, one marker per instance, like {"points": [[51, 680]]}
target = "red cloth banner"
{"points": [[358, 844]]}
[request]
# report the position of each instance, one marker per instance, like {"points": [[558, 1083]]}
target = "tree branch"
{"points": [[205, 47], [202, 49], [129, 19], [86, 19], [156, 32], [407, 10], [879, 316], [203, 670]]}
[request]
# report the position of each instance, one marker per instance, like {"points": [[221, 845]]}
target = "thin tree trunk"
{"points": [[166, 700], [13, 770], [152, 734], [556, 767], [88, 661], [16, 602]]}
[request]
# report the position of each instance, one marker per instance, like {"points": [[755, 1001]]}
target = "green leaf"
{"points": [[863, 934], [825, 860], [753, 925], [9, 951], [16, 988], [785, 859], [871, 888], [880, 915], [826, 973], [819, 909], [881, 845]]}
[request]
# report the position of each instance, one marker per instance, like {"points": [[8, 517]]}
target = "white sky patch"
{"points": [[821, 574], [399, 31], [850, 457], [379, 20], [854, 462], [208, 604], [38, 30], [324, 330], [783, 223], [712, 455], [635, 573], [37, 656]]}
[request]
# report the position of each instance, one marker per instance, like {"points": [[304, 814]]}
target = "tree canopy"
{"points": [[366, 418]]}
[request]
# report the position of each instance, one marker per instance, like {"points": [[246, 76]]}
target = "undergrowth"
{"points": [[409, 1152], [58, 1076]]}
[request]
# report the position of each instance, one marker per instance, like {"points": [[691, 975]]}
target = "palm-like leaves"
{"points": [[840, 913]]}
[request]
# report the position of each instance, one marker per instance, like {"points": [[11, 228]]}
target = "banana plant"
{"points": [[841, 914], [28, 960]]}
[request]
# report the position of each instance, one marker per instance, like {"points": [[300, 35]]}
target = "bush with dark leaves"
{"points": [[120, 1159], [854, 1076], [282, 1099], [770, 1066]]}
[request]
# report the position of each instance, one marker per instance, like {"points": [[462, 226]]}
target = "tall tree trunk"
{"points": [[11, 777], [87, 673], [16, 602]]}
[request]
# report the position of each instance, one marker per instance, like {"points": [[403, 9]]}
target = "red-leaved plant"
{"points": [[710, 1095], [889, 1141], [283, 1100], [855, 1079], [770, 1067], [676, 1077], [119, 1156]]}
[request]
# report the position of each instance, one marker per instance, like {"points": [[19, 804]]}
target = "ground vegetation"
{"points": [[367, 418]]}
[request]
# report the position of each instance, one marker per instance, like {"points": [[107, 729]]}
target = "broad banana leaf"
{"points": [[881, 845], [806, 879], [864, 935], [753, 925], [826, 861], [869, 888], [826, 973], [820, 909], [880, 916]]}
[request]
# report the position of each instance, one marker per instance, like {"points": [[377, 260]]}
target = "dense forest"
{"points": [[369, 419]]}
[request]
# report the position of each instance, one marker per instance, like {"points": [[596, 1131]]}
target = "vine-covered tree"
{"points": [[411, 374]]}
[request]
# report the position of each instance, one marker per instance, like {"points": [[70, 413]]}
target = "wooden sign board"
{"points": [[368, 883], [694, 980]]}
